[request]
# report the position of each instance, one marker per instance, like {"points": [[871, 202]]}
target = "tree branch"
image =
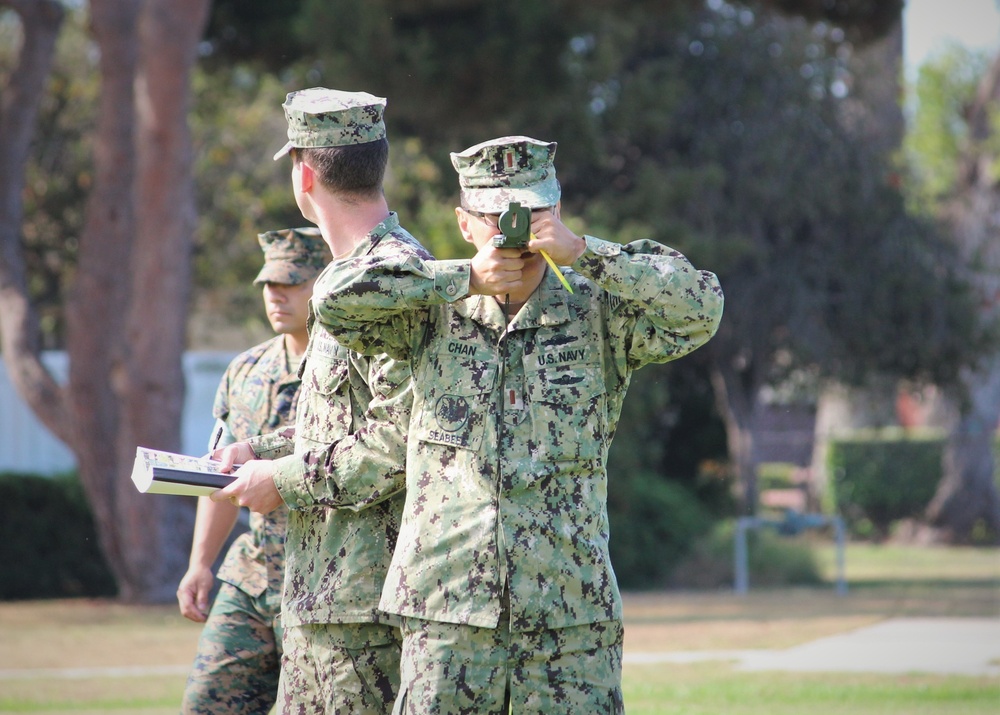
{"points": [[20, 333]]}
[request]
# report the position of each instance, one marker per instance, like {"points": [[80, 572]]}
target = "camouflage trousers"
{"points": [[238, 661], [451, 669], [339, 669]]}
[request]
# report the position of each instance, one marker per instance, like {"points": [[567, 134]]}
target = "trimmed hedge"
{"points": [[772, 560], [48, 542], [878, 479]]}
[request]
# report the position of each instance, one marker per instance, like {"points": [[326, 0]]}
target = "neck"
{"points": [[345, 224], [511, 306], [295, 343]]}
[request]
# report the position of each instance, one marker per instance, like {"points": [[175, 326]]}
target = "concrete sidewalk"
{"points": [[949, 646]]}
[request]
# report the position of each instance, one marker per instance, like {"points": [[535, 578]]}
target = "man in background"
{"points": [[237, 665]]}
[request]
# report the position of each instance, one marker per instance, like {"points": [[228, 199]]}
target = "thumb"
{"points": [[221, 494]]}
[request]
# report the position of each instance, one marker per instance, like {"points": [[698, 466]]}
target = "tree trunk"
{"points": [[126, 313], [967, 496], [152, 396], [735, 403], [967, 499], [95, 314], [20, 335]]}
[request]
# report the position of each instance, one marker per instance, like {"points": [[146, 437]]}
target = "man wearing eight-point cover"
{"points": [[502, 572], [343, 479]]}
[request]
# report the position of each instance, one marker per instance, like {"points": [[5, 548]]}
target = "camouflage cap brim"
{"points": [[290, 274], [283, 150], [292, 255], [494, 201]]}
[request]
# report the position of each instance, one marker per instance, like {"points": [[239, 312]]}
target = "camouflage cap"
{"points": [[292, 255], [496, 172], [319, 117]]}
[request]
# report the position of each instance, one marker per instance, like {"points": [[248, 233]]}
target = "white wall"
{"points": [[26, 446]]}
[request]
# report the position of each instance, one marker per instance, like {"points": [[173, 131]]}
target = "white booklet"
{"points": [[158, 472]]}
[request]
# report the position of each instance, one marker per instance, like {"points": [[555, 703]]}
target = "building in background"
{"points": [[27, 447]]}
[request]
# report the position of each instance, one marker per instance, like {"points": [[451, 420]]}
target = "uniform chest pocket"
{"points": [[454, 406], [324, 411], [567, 406]]}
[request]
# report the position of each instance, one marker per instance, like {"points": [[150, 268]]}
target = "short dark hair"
{"points": [[354, 169]]}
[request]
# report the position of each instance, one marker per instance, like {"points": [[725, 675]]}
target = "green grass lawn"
{"points": [[884, 582], [714, 689]]}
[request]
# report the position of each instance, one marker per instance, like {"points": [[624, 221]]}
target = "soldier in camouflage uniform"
{"points": [[502, 572], [340, 471], [237, 665]]}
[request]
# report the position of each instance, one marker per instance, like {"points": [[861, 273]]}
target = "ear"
{"points": [[463, 224], [306, 176]]}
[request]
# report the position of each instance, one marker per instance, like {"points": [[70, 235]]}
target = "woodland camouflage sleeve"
{"points": [[668, 306]]}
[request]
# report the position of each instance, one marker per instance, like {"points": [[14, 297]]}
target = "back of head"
{"points": [[341, 135]]}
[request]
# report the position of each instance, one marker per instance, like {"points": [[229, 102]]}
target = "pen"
{"points": [[555, 268], [218, 436]]}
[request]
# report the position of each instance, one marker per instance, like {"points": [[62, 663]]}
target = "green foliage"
{"points": [[669, 427], [863, 20], [237, 126], [772, 560], [59, 171], [412, 188], [260, 33], [653, 524], [661, 496], [776, 475], [938, 134], [879, 479], [725, 138], [48, 542]]}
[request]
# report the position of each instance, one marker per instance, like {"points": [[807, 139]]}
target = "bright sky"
{"points": [[928, 25]]}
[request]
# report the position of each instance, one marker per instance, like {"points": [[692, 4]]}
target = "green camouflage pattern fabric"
{"points": [[449, 669], [349, 668], [498, 171], [320, 117], [344, 481], [237, 664], [236, 670], [292, 255], [257, 394], [507, 484]]}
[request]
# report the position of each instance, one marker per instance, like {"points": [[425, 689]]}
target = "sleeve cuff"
{"points": [[597, 251], [451, 279], [289, 479], [273, 445]]}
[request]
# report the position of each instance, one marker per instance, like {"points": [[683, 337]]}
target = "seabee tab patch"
{"points": [[452, 412], [451, 415]]}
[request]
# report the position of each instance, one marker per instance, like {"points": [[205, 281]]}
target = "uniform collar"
{"points": [[274, 363], [545, 307], [389, 224]]}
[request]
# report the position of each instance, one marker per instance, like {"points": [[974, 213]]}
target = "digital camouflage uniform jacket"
{"points": [[511, 425], [257, 394], [343, 482]]}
